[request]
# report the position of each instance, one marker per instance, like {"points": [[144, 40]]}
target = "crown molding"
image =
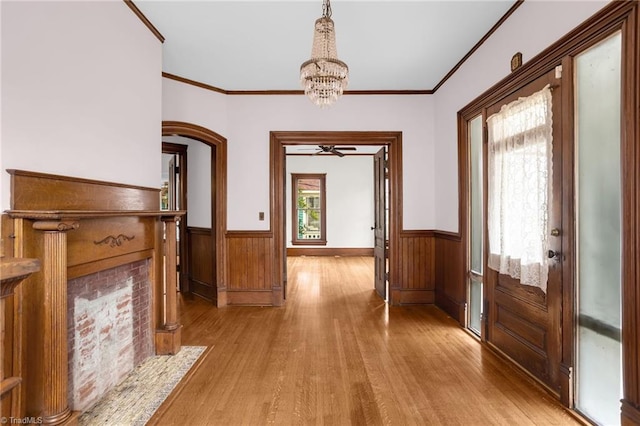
{"points": [[288, 92], [479, 43], [453, 70], [194, 83], [144, 20]]}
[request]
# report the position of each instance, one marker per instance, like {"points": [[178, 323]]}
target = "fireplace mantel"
{"points": [[72, 215], [76, 227]]}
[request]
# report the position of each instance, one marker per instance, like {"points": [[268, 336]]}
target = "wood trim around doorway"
{"points": [[218, 195], [278, 141]]}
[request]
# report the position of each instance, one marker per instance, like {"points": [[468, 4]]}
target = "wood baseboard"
{"points": [[415, 296], [221, 300], [327, 251], [250, 297], [452, 307], [630, 413]]}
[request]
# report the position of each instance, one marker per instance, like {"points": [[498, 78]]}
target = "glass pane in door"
{"points": [[475, 224], [598, 218], [475, 305]]}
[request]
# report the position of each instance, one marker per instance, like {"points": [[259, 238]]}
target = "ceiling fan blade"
{"points": [[346, 148], [338, 153]]}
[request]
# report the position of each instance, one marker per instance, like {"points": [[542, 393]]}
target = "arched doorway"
{"points": [[218, 146]]}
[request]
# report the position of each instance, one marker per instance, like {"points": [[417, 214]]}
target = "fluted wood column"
{"points": [[54, 316], [171, 305], [168, 338]]}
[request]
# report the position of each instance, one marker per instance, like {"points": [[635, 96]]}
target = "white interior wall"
{"points": [[198, 180], [81, 92], [251, 118], [349, 192], [194, 105], [199, 184], [245, 121], [533, 27]]}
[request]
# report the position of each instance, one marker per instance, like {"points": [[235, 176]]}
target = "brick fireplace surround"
{"points": [[109, 319]]}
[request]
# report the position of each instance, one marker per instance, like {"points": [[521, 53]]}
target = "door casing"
{"points": [[280, 139], [218, 146]]}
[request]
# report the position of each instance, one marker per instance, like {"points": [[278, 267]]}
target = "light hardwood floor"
{"points": [[336, 354]]}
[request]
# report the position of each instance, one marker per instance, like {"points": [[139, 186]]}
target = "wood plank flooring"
{"points": [[336, 354]]}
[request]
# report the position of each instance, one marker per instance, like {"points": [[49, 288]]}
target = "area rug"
{"points": [[139, 395]]}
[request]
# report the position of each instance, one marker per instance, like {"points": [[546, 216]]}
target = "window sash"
{"points": [[308, 209]]}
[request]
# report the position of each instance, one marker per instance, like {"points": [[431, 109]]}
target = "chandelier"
{"points": [[324, 77]]}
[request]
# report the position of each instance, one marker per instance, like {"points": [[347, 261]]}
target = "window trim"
{"points": [[322, 241]]}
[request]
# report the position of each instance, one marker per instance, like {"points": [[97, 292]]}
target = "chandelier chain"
{"points": [[326, 8]]}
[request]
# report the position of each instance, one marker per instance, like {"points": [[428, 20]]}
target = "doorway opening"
{"points": [[173, 196], [203, 253], [337, 205], [391, 212]]}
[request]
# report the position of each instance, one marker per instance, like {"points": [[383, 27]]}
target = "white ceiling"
{"points": [[259, 45]]}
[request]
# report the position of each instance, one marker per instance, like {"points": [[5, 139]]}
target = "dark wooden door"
{"points": [[172, 183], [380, 226], [285, 272], [524, 322], [177, 200]]}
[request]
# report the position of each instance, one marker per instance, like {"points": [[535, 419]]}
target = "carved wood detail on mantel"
{"points": [[77, 227], [114, 241]]}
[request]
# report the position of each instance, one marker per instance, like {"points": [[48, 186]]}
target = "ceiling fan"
{"points": [[332, 149]]}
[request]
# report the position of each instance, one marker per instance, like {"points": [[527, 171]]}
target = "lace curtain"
{"points": [[519, 174]]}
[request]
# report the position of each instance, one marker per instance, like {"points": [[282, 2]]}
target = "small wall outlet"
{"points": [[260, 215]]}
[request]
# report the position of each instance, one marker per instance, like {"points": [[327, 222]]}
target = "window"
{"points": [[475, 241], [519, 172], [309, 207]]}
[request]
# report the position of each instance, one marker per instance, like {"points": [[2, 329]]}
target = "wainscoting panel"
{"points": [[449, 281], [430, 270], [417, 268], [250, 274], [201, 263]]}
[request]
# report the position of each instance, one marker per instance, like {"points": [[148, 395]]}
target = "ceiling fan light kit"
{"points": [[324, 77]]}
